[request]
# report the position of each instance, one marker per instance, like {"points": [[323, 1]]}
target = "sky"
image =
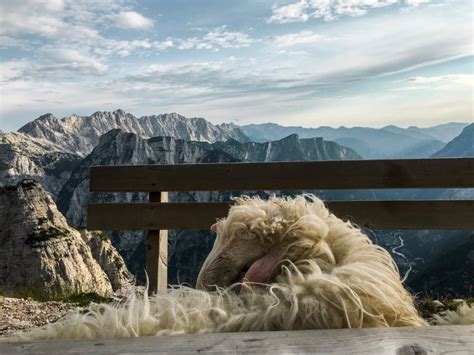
{"points": [[292, 62]]}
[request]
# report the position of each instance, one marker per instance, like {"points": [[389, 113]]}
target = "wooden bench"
{"points": [[456, 339], [157, 216]]}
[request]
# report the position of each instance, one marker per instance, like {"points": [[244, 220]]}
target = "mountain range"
{"points": [[59, 152], [370, 143], [80, 134]]}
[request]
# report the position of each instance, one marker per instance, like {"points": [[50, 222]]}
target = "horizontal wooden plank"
{"points": [[456, 339], [371, 214], [347, 174]]}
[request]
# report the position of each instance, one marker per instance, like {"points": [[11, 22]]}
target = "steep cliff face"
{"points": [[43, 257], [108, 258], [80, 134], [24, 157], [290, 148]]}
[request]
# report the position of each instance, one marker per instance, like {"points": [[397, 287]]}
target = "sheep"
{"points": [[277, 264]]}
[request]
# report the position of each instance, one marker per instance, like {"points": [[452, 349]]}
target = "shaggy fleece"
{"points": [[463, 315], [330, 276]]}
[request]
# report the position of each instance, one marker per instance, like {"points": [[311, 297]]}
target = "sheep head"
{"points": [[258, 236]]}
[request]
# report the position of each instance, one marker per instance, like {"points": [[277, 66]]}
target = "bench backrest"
{"points": [[158, 215]]}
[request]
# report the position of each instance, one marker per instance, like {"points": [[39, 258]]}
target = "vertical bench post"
{"points": [[157, 252]]}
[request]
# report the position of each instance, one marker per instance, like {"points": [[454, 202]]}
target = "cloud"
{"points": [[7, 41], [67, 58], [131, 19], [438, 82], [305, 37], [328, 10], [216, 38], [31, 17], [416, 2], [456, 78], [294, 12]]}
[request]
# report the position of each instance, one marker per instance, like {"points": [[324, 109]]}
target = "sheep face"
{"points": [[257, 237], [235, 250]]}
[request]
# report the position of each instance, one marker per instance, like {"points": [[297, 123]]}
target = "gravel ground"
{"points": [[21, 314]]}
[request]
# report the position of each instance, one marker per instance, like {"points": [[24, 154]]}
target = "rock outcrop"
{"points": [[108, 258], [42, 257]]}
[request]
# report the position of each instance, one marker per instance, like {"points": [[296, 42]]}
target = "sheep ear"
{"points": [[214, 228]]}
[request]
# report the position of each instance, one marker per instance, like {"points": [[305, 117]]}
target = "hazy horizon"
{"points": [[256, 123], [302, 63]]}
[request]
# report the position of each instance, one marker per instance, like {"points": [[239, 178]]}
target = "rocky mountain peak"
{"points": [[80, 134], [291, 138], [46, 117], [43, 257]]}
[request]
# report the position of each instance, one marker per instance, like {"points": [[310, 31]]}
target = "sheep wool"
{"points": [[303, 267]]}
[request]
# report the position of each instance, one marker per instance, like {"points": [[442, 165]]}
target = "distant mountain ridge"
{"points": [[460, 146], [371, 143], [80, 134]]}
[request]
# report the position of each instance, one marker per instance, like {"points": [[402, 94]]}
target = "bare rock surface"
{"points": [[22, 156], [108, 258], [42, 257]]}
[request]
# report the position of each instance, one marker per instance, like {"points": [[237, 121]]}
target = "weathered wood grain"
{"points": [[371, 214], [157, 251], [347, 174], [432, 340]]}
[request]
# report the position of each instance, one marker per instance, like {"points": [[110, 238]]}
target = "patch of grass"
{"points": [[81, 299], [426, 307], [85, 299]]}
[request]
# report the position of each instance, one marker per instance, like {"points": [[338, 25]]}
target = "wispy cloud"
{"points": [[438, 82], [328, 10], [305, 37]]}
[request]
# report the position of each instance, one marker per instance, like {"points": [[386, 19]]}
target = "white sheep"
{"points": [[281, 264]]}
